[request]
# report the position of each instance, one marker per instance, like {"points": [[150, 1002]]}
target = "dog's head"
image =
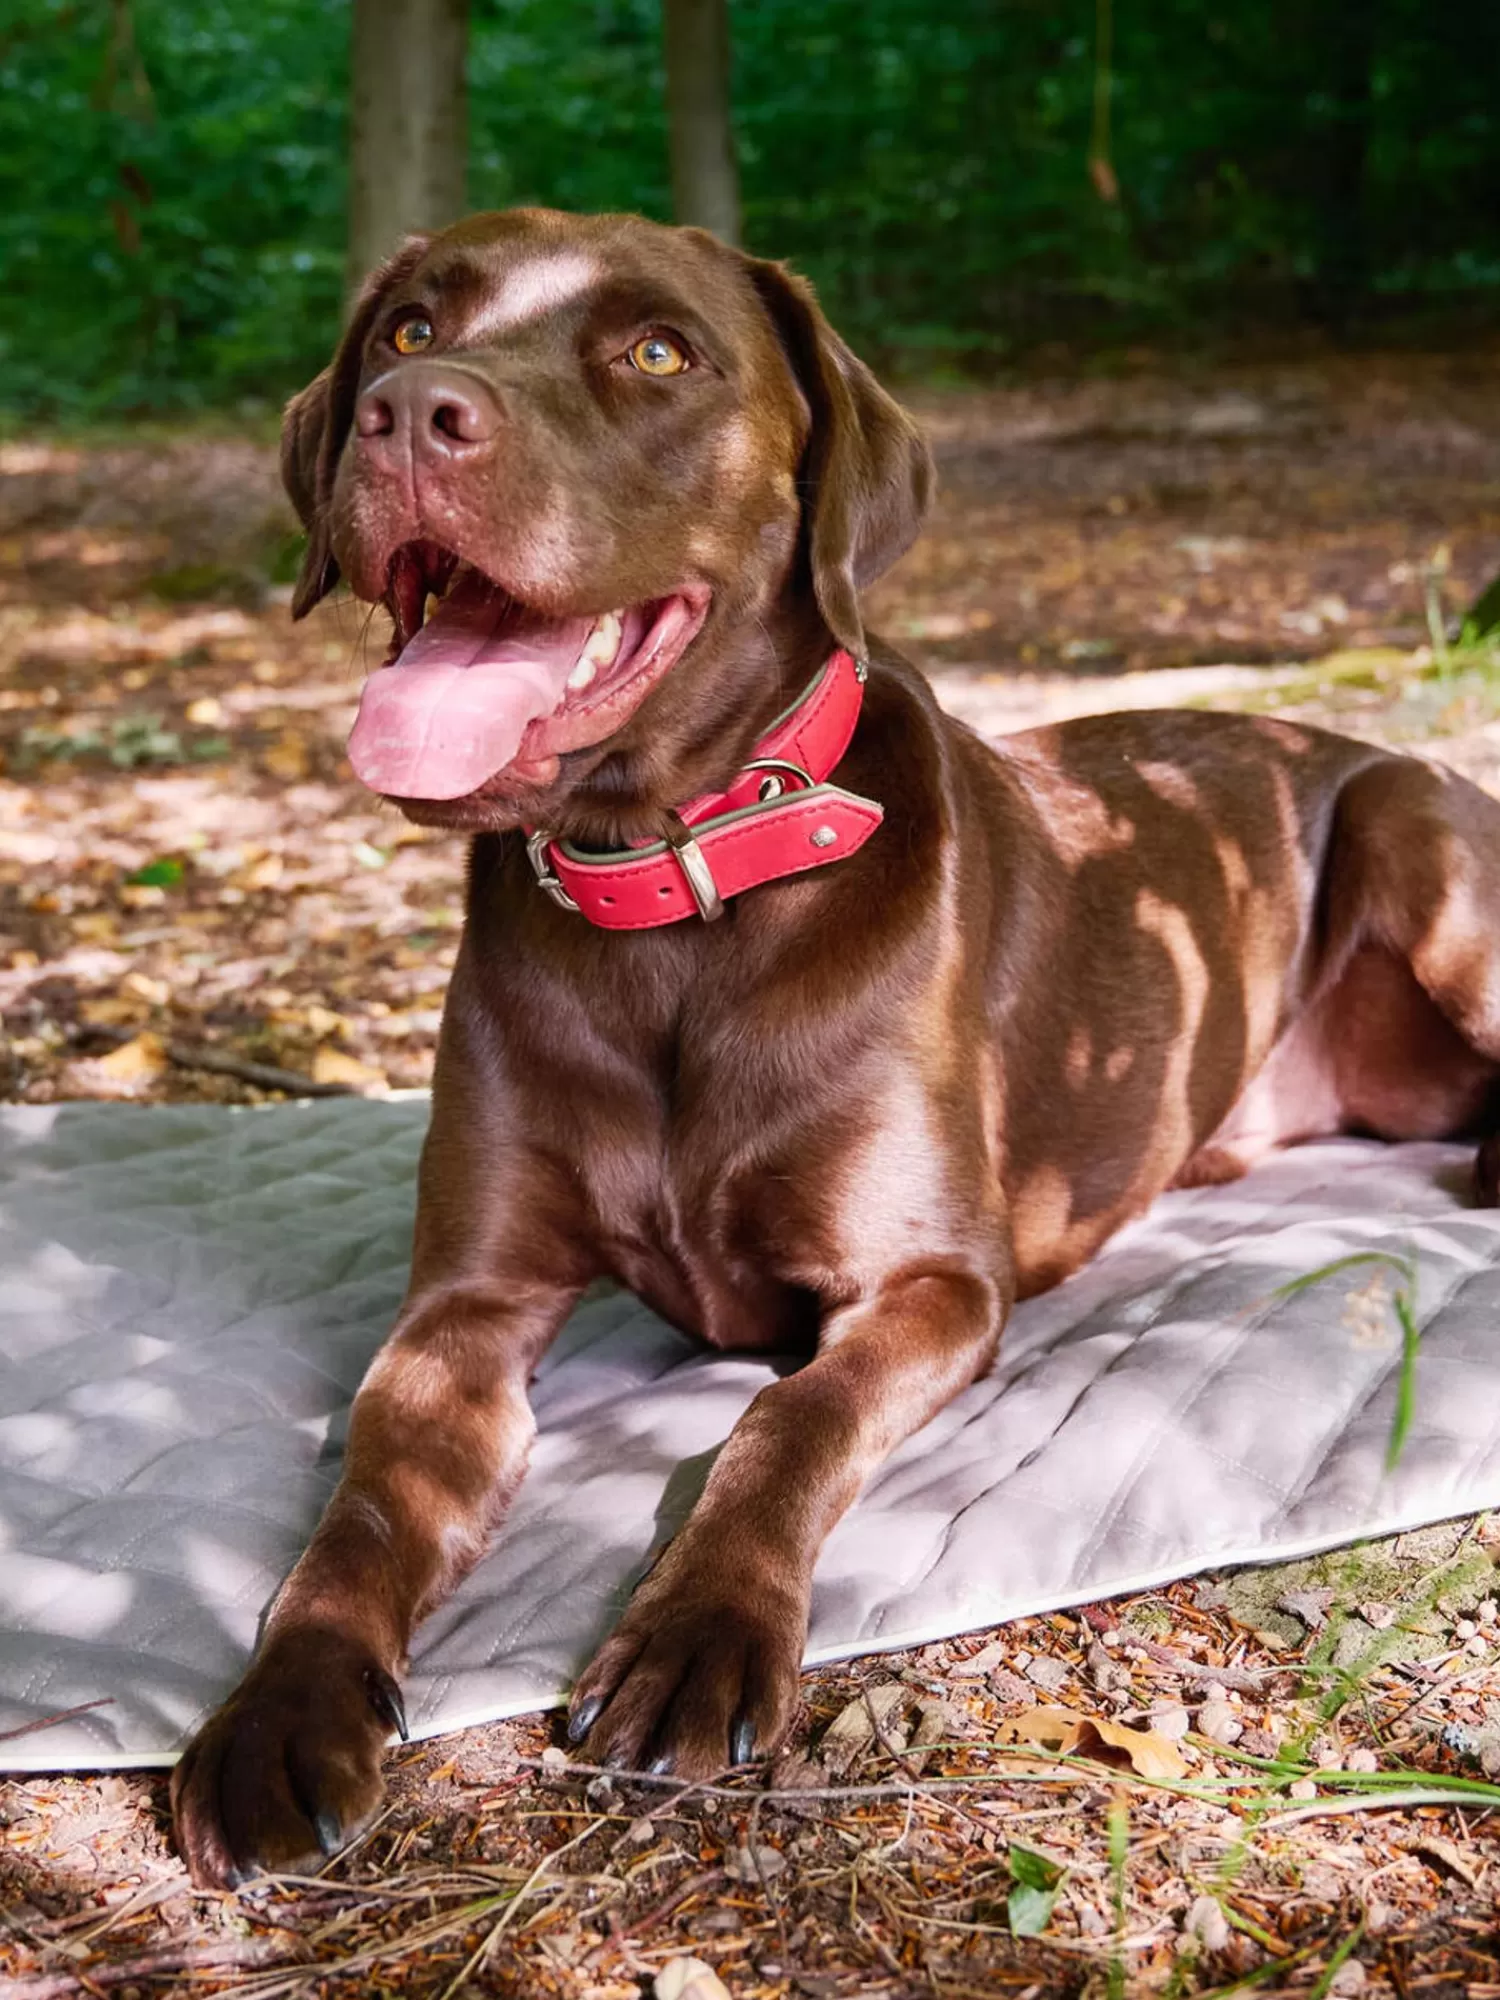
{"points": [[642, 479]]}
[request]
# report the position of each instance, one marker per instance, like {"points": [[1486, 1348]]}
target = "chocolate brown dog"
{"points": [[851, 1065]]}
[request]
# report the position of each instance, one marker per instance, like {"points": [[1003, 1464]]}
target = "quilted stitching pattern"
{"points": [[189, 1296]]}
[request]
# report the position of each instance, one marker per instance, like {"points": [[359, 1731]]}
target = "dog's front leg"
{"points": [[289, 1768], [702, 1669]]}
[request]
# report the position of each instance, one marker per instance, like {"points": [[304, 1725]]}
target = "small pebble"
{"points": [[1302, 1788], [1487, 1612], [1218, 1721], [760, 1865], [1328, 1758], [554, 1759], [1350, 1978], [1477, 1646], [688, 1979], [1173, 1723], [1109, 1638], [1489, 1760], [640, 1832], [1208, 1924], [1465, 1629], [1215, 1691], [1361, 1760]]}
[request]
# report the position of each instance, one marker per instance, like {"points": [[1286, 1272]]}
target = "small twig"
{"points": [[752, 1834], [1243, 1680], [62, 1715], [266, 1076], [711, 1878], [145, 1898], [1370, 1802], [205, 1958], [497, 1930]]}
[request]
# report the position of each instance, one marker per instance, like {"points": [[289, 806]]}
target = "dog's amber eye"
{"points": [[413, 334], [658, 355]]}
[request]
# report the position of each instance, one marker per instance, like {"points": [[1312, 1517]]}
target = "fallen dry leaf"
{"points": [[1150, 1755], [852, 1731], [262, 874], [288, 758], [135, 1061], [112, 1011], [138, 987], [688, 1979], [333, 1066], [1448, 1854]]}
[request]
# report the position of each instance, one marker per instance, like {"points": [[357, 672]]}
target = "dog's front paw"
{"points": [[698, 1674], [288, 1770]]}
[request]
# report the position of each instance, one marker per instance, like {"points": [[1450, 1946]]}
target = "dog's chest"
{"points": [[742, 1218]]}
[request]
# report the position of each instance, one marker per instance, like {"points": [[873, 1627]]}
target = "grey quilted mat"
{"points": [[188, 1298]]}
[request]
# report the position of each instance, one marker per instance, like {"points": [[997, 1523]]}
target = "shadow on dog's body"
{"points": [[874, 1104]]}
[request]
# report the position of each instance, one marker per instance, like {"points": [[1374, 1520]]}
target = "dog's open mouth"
{"points": [[486, 686]]}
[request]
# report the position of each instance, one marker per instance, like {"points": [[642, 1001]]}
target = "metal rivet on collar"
{"points": [[822, 836]]}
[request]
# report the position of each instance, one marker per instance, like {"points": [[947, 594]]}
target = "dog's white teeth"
{"points": [[604, 640], [599, 651]]}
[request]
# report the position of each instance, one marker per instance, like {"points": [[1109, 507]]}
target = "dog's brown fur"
{"points": [[874, 1105]]}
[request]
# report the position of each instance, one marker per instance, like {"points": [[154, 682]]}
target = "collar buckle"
{"points": [[536, 853]]}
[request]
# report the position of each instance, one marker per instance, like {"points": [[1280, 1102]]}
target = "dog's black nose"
{"points": [[430, 411]]}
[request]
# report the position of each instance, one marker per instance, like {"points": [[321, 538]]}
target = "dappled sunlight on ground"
{"points": [[190, 876]]}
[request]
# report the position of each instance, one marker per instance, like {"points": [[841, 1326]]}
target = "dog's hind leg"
{"points": [[1414, 900]]}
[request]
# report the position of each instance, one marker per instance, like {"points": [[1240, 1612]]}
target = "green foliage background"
{"points": [[175, 235]]}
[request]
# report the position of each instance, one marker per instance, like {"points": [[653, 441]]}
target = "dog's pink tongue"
{"points": [[452, 709]]}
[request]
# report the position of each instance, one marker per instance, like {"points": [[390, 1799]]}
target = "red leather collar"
{"points": [[779, 817]]}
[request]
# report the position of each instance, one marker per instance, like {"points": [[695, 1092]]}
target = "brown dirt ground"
{"points": [[1282, 537]]}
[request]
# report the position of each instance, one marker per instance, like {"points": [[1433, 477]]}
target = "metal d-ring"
{"points": [[772, 787]]}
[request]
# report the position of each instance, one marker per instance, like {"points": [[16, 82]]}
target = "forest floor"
{"points": [[195, 894]]}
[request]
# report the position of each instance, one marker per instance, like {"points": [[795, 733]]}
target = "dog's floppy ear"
{"points": [[867, 473], [317, 420]]}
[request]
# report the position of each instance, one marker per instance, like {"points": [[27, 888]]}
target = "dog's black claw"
{"points": [[583, 1718], [385, 1699], [330, 1833], [742, 1742]]}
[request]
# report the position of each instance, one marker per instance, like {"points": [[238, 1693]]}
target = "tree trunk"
{"points": [[408, 123], [1337, 142], [705, 174]]}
